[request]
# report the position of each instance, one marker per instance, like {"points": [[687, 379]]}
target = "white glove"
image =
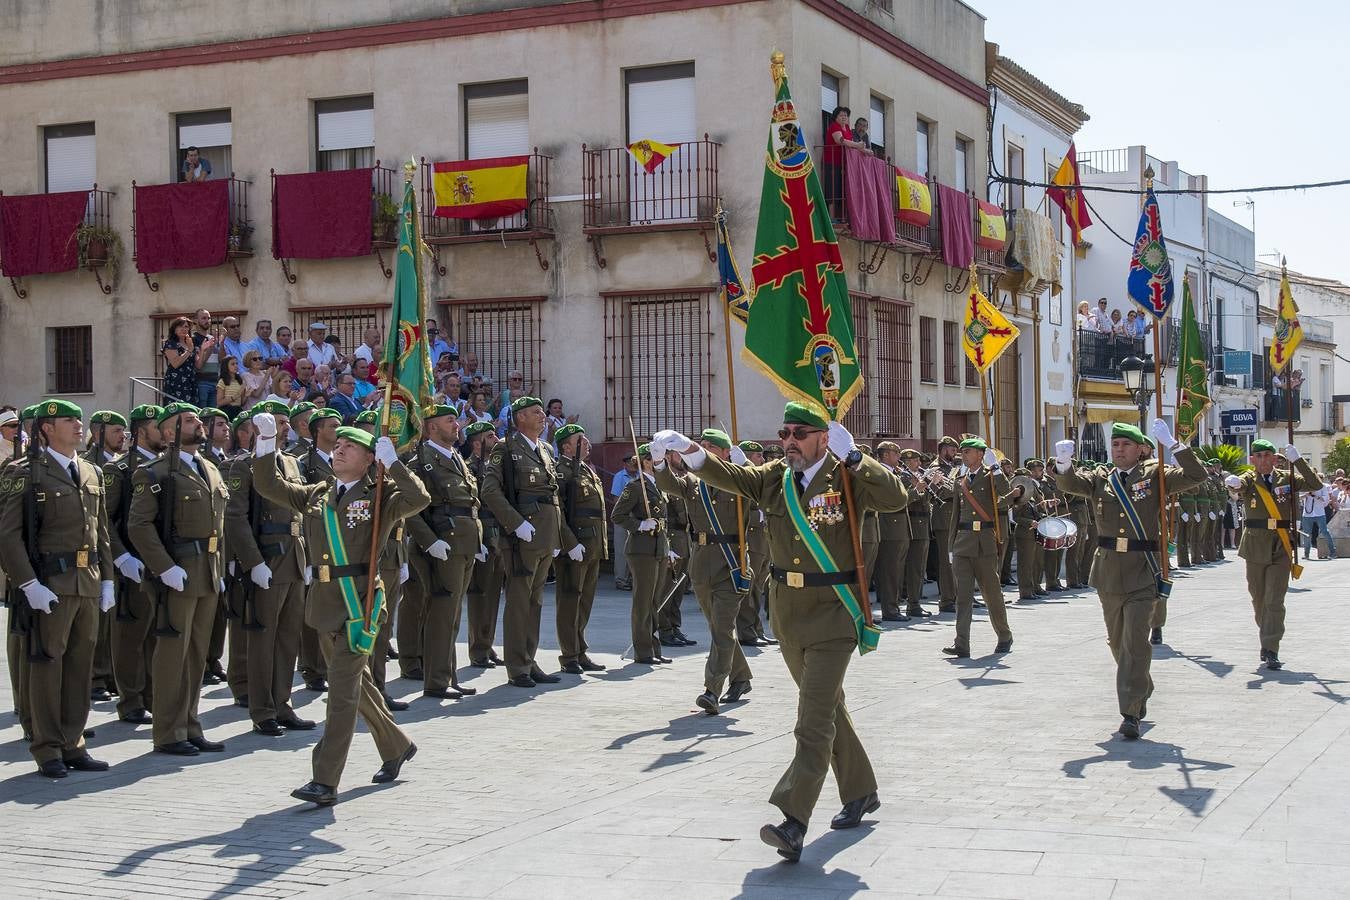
{"points": [[674, 557], [1064, 451], [1185, 517], [108, 598], [220, 585], [577, 553], [176, 577], [647, 525], [385, 453], [990, 459], [229, 567], [738, 456], [525, 531], [266, 423], [130, 567], [670, 440], [309, 575], [481, 555], [841, 442], [1214, 516], [1233, 482], [38, 596], [1162, 434], [403, 574], [1291, 453], [556, 551], [440, 550], [261, 576], [658, 451]]}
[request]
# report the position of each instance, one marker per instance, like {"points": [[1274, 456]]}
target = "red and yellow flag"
{"points": [[993, 233], [915, 200], [986, 332], [481, 188], [650, 154], [1288, 332], [1069, 195]]}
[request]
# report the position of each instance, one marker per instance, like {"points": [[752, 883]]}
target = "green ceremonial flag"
{"points": [[1192, 379], [406, 366], [800, 327]]}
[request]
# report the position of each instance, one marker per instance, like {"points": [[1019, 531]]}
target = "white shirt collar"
{"points": [[149, 454], [448, 454], [534, 445], [65, 461], [326, 457], [187, 457], [810, 472], [348, 484]]}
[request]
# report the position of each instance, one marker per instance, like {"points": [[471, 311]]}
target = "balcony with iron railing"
{"points": [[1330, 417], [1323, 331], [238, 235], [1100, 355], [96, 237], [532, 224], [1276, 407]]}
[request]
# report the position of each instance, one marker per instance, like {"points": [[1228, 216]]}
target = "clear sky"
{"points": [[1248, 93]]}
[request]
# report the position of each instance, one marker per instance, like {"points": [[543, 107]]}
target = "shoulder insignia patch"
{"points": [[139, 489], [236, 482], [107, 479]]}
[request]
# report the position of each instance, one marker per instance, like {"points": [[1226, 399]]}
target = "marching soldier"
{"points": [[919, 511], [585, 531], [54, 548], [757, 555], [266, 541], [109, 429], [1007, 531], [817, 617], [176, 521], [893, 547], [974, 492], [237, 582], [1269, 538], [133, 619], [942, 525], [720, 581], [669, 618], [869, 525], [1027, 513], [314, 449], [1220, 504], [1052, 500], [1186, 503], [641, 511], [521, 490], [449, 537], [1126, 571], [489, 572], [302, 416], [1078, 558], [340, 530]]}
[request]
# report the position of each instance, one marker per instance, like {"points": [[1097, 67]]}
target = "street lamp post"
{"points": [[1138, 376]]}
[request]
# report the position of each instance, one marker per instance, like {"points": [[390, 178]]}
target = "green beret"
{"points": [[866, 450], [1261, 444], [146, 412], [275, 407], [321, 414], [357, 436], [1122, 430], [367, 417], [559, 436], [245, 417], [29, 413], [53, 409], [1151, 442], [482, 427], [211, 412], [948, 441], [1032, 461], [645, 451], [974, 443], [107, 417], [300, 409], [174, 409], [751, 446], [439, 411], [796, 413], [910, 453], [716, 437], [521, 403]]}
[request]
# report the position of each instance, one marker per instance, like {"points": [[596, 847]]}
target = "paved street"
{"points": [[999, 778]]}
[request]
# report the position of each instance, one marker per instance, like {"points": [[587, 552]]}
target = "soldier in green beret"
{"points": [[300, 417], [920, 512], [670, 616], [367, 420], [1220, 493], [216, 423], [524, 500], [1127, 570], [1027, 513], [107, 432], [749, 623], [819, 619], [585, 532], [315, 453], [942, 525], [489, 572], [641, 511]]}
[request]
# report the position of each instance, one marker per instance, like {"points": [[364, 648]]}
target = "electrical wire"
{"points": [[1313, 185]]}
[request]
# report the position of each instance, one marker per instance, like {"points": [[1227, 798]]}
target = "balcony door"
{"points": [[661, 108], [497, 123], [1007, 403]]}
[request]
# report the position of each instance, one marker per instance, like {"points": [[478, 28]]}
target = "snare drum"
{"points": [[1056, 533]]}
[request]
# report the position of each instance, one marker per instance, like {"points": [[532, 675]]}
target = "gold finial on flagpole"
{"points": [[1148, 178], [776, 67], [409, 169]]}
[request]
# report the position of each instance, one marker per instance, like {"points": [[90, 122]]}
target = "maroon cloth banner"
{"points": [[182, 226], [37, 232], [321, 215], [868, 182], [958, 228]]}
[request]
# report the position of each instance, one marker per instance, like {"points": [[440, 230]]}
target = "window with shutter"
{"points": [[921, 148], [345, 132], [961, 172], [212, 134], [70, 360], [70, 152], [496, 119], [661, 108], [876, 125]]}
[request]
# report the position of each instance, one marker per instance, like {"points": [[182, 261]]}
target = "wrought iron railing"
{"points": [[1100, 355], [620, 194], [536, 217], [1275, 406]]}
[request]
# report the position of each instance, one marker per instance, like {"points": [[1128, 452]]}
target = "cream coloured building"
{"points": [[604, 293]]}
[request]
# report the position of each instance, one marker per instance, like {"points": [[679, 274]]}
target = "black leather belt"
{"points": [[328, 573], [195, 548], [59, 563], [291, 528], [974, 526], [533, 503], [811, 579], [703, 538], [1267, 524], [586, 531], [445, 509], [1126, 545], [589, 512]]}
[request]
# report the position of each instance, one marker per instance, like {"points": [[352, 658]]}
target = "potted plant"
{"points": [[385, 219], [241, 237], [100, 245]]}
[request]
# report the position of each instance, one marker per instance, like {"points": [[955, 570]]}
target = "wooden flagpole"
{"points": [[731, 396], [993, 493], [1289, 415], [1158, 385]]}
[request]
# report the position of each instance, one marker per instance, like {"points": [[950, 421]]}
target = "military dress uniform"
{"points": [[1186, 526], [316, 466], [920, 514], [754, 607], [489, 573], [1077, 559], [648, 557], [104, 682], [670, 619], [975, 552], [891, 559], [1027, 513], [942, 527], [587, 527], [1052, 561], [1220, 506]]}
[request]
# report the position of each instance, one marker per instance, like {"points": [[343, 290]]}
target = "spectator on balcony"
{"points": [[339, 361], [320, 352], [233, 344], [438, 344], [206, 340], [445, 365], [195, 166], [1102, 317], [478, 410], [284, 339], [344, 401], [468, 366], [555, 418], [284, 390], [180, 358], [272, 353], [299, 353], [1086, 321], [230, 387], [305, 379], [369, 348], [1117, 325], [862, 134], [448, 392], [325, 380], [256, 378], [365, 385], [1143, 324], [515, 389], [837, 137]]}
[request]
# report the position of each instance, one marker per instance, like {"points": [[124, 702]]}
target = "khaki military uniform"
{"points": [[1186, 526], [215, 647], [1121, 572], [351, 689], [870, 535], [648, 558], [527, 562], [133, 618], [1078, 558], [1026, 513], [891, 559], [669, 619], [920, 514], [1268, 565], [757, 557], [817, 635], [1052, 560], [1220, 506], [1205, 510], [714, 585], [941, 528], [315, 469], [975, 552], [199, 498], [393, 563], [103, 678], [489, 575], [577, 581], [75, 558]]}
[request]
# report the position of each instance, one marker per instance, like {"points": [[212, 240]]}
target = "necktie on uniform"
{"points": [[342, 489], [74, 474], [799, 479]]}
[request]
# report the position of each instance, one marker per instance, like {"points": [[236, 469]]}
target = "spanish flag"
{"points": [[481, 188], [986, 332], [650, 154], [1288, 331], [1069, 196], [993, 233], [915, 204]]}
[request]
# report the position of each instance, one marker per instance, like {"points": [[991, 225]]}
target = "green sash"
{"points": [[868, 635], [359, 638]]}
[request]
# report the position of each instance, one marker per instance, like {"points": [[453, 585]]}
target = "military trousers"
{"points": [[351, 691], [720, 601], [1005, 552], [1267, 583], [749, 621], [871, 550], [669, 618], [524, 609], [393, 599], [1127, 625], [177, 667], [271, 650], [215, 648], [649, 574], [946, 578], [916, 560], [1051, 563], [58, 688], [133, 646], [312, 666], [444, 584], [981, 570], [1158, 618], [16, 655], [236, 657], [103, 665], [575, 596], [889, 575], [1028, 561], [409, 624], [1078, 558], [1183, 539], [485, 602]]}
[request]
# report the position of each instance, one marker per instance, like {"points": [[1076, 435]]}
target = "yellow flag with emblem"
{"points": [[1288, 332], [986, 332]]}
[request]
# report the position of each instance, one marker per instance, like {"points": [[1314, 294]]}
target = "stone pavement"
{"points": [[1000, 777]]}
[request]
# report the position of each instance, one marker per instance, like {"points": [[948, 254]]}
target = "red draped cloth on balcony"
{"points": [[958, 228], [868, 186], [182, 226], [321, 215], [37, 232]]}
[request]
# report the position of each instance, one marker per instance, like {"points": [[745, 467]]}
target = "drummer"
{"points": [[1052, 504], [1026, 514]]}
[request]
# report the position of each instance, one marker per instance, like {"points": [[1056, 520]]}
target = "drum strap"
{"points": [[1137, 526]]}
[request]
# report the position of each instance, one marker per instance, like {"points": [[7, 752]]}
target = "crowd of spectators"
{"points": [[1103, 320]]}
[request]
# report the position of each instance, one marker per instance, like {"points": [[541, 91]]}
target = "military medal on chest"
{"points": [[358, 511], [826, 508]]}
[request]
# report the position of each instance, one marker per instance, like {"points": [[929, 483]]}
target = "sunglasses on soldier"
{"points": [[797, 432]]}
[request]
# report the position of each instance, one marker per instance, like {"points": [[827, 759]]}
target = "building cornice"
{"points": [[1028, 90]]}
